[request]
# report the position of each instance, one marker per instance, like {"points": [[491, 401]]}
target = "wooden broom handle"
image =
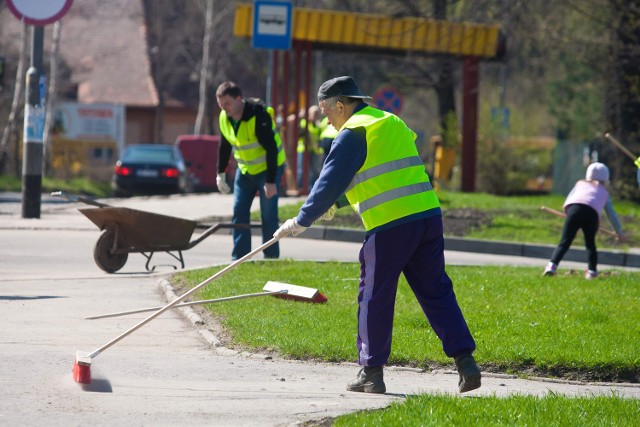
{"points": [[618, 144], [563, 215], [183, 296]]}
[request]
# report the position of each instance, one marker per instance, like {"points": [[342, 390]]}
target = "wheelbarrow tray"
{"points": [[126, 231], [144, 231]]}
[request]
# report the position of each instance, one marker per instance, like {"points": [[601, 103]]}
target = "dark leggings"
{"points": [[579, 217]]}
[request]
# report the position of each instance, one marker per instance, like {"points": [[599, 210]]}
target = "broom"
{"points": [[185, 304], [277, 289], [82, 362], [603, 230], [625, 150]]}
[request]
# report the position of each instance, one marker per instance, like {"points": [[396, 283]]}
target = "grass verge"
{"points": [[504, 218], [80, 186], [550, 410], [523, 323]]}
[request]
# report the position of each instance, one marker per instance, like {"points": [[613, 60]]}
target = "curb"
{"points": [[496, 247], [197, 321]]}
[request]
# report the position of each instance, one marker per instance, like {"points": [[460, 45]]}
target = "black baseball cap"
{"points": [[340, 86]]}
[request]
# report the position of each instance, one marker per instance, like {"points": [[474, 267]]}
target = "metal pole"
{"points": [[296, 101], [275, 80], [267, 98], [307, 103], [33, 131]]}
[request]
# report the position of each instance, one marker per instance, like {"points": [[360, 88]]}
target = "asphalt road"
{"points": [[172, 371]]}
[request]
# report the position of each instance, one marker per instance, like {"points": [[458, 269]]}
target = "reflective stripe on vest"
{"points": [[250, 155], [392, 182]]}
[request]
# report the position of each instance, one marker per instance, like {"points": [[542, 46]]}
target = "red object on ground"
{"points": [[82, 369]]}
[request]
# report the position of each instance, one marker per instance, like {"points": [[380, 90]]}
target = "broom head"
{"points": [[295, 292], [82, 368]]}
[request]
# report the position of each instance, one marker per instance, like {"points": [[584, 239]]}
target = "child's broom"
{"points": [[82, 362]]}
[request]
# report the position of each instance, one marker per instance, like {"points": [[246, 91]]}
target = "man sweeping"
{"points": [[374, 162]]}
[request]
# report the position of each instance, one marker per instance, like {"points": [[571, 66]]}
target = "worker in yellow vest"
{"points": [[326, 137], [309, 141], [247, 128], [375, 162]]}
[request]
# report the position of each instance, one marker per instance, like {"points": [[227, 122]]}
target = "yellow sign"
{"points": [[336, 28]]}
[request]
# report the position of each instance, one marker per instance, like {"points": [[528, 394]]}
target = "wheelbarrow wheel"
{"points": [[102, 255]]}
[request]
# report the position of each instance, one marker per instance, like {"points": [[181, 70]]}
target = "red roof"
{"points": [[104, 44]]}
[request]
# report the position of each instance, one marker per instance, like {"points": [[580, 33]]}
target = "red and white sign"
{"points": [[90, 122], [39, 12], [388, 98]]}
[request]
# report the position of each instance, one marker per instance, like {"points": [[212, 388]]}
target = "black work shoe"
{"points": [[469, 373], [369, 380]]}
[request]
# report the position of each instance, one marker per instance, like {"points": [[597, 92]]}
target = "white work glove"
{"points": [[290, 226], [221, 181], [330, 213]]}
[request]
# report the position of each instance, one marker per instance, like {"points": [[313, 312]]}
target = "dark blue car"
{"points": [[150, 169]]}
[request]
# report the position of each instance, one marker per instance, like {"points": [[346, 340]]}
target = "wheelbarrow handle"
{"points": [[74, 198], [183, 296]]}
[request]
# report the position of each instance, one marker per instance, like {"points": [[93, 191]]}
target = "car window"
{"points": [[149, 155]]}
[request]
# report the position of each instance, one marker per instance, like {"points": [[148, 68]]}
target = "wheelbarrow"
{"points": [[126, 230]]}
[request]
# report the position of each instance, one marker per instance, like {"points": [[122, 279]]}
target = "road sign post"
{"points": [[33, 131], [36, 14]]}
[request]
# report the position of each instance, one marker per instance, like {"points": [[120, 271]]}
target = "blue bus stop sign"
{"points": [[272, 25]]}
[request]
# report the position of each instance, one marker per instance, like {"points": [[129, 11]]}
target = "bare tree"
{"points": [[204, 68], [10, 128], [51, 97]]}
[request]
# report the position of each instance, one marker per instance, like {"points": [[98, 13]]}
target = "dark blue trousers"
{"points": [[417, 250], [245, 188]]}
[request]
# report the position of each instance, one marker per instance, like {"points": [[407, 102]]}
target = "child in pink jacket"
{"points": [[583, 207]]}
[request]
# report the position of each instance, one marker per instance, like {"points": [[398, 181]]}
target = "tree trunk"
{"points": [[204, 70], [445, 87], [159, 80], [51, 98], [624, 94], [15, 104]]}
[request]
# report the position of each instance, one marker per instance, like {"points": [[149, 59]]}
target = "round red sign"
{"points": [[388, 98], [37, 12]]}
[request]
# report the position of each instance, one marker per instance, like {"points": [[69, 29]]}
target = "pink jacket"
{"points": [[588, 193], [596, 196]]}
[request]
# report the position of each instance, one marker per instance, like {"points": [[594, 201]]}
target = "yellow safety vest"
{"points": [[250, 155], [314, 137], [329, 132], [392, 183]]}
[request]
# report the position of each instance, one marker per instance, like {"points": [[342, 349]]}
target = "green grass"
{"points": [[523, 324], [550, 410], [563, 326], [509, 218], [80, 186]]}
